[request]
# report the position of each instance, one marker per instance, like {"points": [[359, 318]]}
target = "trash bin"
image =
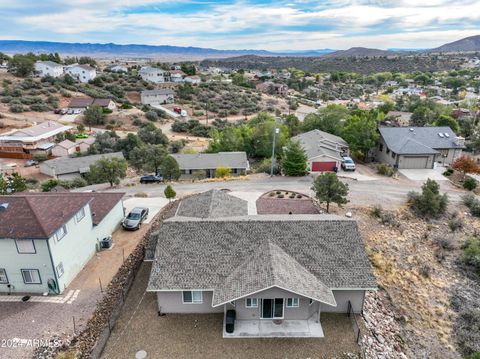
{"points": [[230, 321]]}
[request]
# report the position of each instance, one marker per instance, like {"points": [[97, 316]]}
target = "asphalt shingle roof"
{"points": [[418, 140], [81, 164], [39, 215], [211, 204], [317, 143], [212, 160], [309, 254]]}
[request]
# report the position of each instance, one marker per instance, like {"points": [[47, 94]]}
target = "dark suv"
{"points": [[151, 179]]}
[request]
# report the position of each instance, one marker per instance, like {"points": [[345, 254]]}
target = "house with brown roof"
{"points": [[84, 102], [47, 238]]}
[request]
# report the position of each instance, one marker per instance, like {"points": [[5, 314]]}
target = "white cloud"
{"points": [[388, 23]]}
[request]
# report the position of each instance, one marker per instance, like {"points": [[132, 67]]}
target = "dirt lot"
{"points": [[184, 336], [269, 203]]}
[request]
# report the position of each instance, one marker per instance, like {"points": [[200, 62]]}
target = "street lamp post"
{"points": [[275, 132]]}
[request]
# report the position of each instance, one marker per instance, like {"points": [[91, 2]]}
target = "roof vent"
{"points": [[3, 207], [440, 134], [446, 135]]}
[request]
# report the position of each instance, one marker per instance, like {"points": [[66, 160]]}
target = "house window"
{"points": [[3, 276], [61, 232], [80, 214], [293, 302], [311, 302], [381, 147], [388, 151], [31, 276], [393, 154], [25, 246], [60, 269], [192, 297], [251, 303]]}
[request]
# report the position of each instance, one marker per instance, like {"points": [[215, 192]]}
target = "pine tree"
{"points": [[295, 160], [169, 192], [329, 189]]}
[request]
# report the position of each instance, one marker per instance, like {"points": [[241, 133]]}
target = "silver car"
{"points": [[135, 218]]}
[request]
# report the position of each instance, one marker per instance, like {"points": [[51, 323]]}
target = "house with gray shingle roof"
{"points": [[324, 151], [47, 238], [210, 204], [67, 168], [418, 147], [207, 163], [278, 273]]}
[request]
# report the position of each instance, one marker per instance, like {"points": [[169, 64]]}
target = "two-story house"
{"points": [[47, 238], [48, 68], [82, 73], [153, 74]]}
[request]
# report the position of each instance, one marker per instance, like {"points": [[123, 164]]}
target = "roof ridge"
{"points": [[35, 214]]}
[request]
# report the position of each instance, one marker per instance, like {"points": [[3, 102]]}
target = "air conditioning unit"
{"points": [[106, 242]]}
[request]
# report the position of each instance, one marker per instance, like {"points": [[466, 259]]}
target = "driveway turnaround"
{"points": [[153, 204], [424, 174]]}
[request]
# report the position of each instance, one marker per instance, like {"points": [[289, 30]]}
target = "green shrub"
{"points": [[47, 186], [448, 172], [376, 211], [471, 253], [455, 223], [223, 172], [470, 184], [265, 166], [16, 108], [429, 203], [473, 204], [151, 116], [385, 169], [475, 355]]}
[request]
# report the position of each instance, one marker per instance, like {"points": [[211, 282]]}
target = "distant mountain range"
{"points": [[468, 44]]}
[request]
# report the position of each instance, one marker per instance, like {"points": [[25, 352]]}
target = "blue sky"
{"points": [[244, 24]]}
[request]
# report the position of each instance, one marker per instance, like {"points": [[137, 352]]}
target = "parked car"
{"points": [[151, 179], [81, 135], [77, 111], [177, 110], [57, 111], [135, 218], [348, 164], [70, 112], [31, 163]]}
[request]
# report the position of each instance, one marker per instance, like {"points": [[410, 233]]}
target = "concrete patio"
{"points": [[266, 328]]}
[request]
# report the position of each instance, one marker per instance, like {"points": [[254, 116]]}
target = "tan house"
{"points": [[26, 142], [69, 148]]}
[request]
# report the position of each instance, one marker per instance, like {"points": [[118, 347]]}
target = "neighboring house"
{"points": [[279, 273], [176, 76], [153, 74], [26, 142], [65, 148], [211, 204], [273, 88], [324, 151], [66, 168], [48, 68], [47, 238], [118, 68], [82, 73], [68, 148], [157, 97], [84, 102], [398, 118], [193, 80], [418, 147], [207, 163]]}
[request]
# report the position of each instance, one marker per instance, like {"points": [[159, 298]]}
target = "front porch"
{"points": [[268, 328]]}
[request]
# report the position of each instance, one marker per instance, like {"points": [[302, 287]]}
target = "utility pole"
{"points": [[275, 131]]}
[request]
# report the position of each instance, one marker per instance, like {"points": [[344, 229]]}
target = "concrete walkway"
{"points": [[424, 174]]}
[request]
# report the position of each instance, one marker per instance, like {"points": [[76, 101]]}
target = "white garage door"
{"points": [[414, 162]]}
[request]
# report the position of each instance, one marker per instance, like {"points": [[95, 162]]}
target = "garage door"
{"points": [[323, 166], [414, 162]]}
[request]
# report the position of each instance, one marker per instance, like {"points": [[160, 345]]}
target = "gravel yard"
{"points": [[271, 203], [200, 336]]}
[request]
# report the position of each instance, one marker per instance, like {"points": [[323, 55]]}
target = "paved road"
{"points": [[387, 192]]}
